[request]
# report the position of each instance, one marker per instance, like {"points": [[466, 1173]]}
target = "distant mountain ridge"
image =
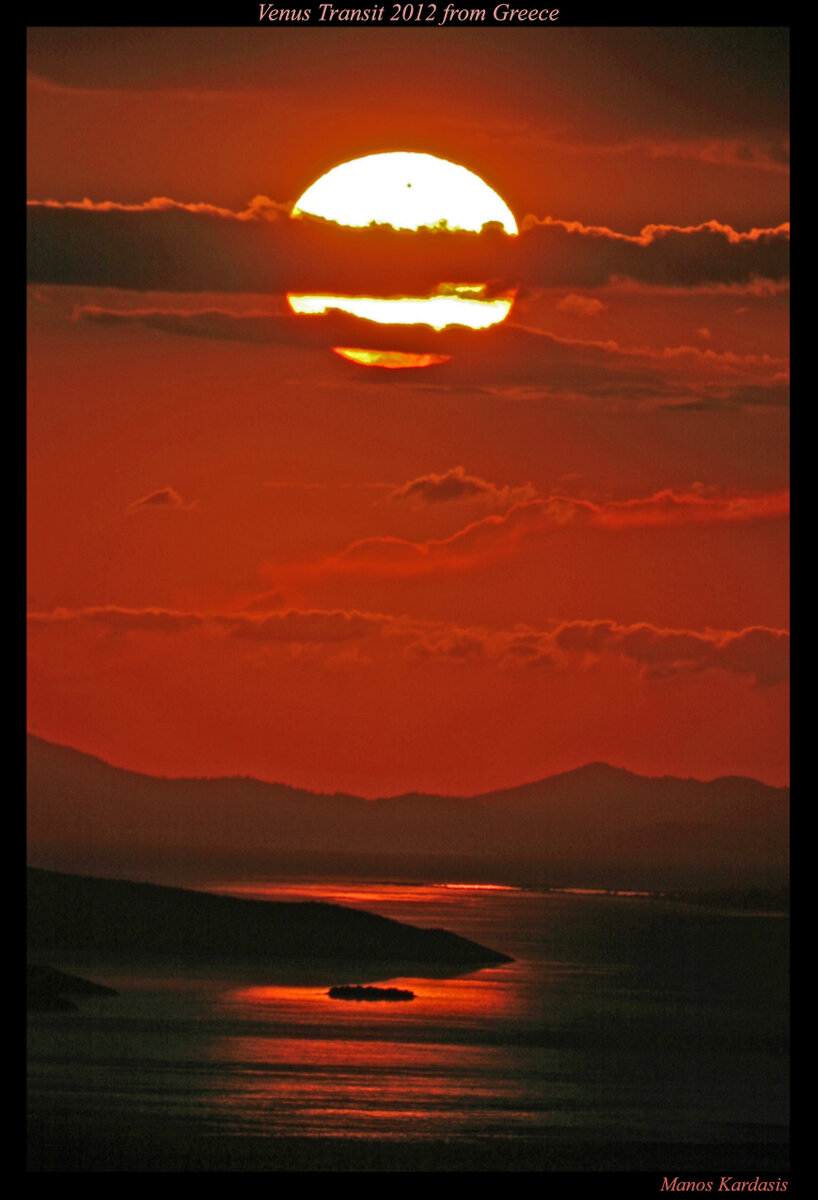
{"points": [[596, 815]]}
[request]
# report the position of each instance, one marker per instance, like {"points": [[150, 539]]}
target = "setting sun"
{"points": [[408, 192]]}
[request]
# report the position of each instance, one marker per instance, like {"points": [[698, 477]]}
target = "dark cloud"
{"points": [[561, 252], [304, 627], [160, 245], [759, 652], [122, 620], [765, 153], [167, 246], [311, 626], [255, 327], [764, 652], [454, 646], [503, 359]]}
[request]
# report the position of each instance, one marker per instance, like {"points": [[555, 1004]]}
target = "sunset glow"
{"points": [[277, 530], [408, 546]]}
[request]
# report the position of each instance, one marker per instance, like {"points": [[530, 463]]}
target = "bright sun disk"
{"points": [[408, 191]]}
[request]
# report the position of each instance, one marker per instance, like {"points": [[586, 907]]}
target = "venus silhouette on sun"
{"points": [[408, 191]]}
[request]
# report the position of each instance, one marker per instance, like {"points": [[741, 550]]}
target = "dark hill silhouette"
{"points": [[48, 990], [111, 916], [596, 817]]}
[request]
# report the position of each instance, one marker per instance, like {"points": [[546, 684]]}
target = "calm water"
{"points": [[620, 1019]]}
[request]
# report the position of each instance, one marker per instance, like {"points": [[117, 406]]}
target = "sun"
{"points": [[408, 191]]}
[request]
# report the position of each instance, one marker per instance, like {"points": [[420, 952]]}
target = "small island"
{"points": [[357, 992]]}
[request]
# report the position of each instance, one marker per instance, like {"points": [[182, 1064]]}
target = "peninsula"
{"points": [[68, 913]]}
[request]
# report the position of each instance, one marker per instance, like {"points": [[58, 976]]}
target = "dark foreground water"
{"points": [[628, 1034]]}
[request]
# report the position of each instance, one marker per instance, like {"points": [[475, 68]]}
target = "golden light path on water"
{"points": [[339, 893], [408, 191]]}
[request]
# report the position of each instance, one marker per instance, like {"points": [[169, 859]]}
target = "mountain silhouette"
{"points": [[596, 818]]}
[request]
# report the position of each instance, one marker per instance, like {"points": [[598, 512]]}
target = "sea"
{"points": [[630, 1032]]}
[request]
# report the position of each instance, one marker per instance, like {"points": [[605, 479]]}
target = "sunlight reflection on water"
{"points": [[619, 1017]]}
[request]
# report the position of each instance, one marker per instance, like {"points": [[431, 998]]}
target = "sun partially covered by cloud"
{"points": [[165, 245]]}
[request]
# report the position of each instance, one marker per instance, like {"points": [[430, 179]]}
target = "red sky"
{"points": [[569, 543]]}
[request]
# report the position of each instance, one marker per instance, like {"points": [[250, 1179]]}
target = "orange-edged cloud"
{"points": [[495, 537], [456, 485], [261, 207], [568, 252], [168, 246]]}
